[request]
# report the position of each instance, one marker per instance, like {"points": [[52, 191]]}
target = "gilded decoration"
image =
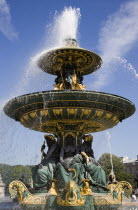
{"points": [[75, 173], [75, 85], [86, 190], [70, 133], [115, 195], [120, 188], [71, 196], [85, 61], [86, 157], [88, 100], [53, 190], [53, 120], [19, 190]]}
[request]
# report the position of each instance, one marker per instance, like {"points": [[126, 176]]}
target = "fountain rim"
{"points": [[21, 101], [67, 90]]}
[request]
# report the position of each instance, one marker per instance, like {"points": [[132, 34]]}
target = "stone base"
{"points": [[91, 203], [69, 199]]}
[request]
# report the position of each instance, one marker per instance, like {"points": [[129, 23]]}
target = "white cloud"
{"points": [[117, 37], [5, 21]]}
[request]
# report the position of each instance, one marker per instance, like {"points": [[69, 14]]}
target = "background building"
{"points": [[131, 167]]}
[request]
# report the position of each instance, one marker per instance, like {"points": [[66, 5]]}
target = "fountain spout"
{"points": [[70, 42]]}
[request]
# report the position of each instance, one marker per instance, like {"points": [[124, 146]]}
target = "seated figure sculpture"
{"points": [[44, 172], [70, 165], [93, 170], [79, 165], [70, 162]]}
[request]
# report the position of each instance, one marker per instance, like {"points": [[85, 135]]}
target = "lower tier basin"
{"points": [[62, 110]]}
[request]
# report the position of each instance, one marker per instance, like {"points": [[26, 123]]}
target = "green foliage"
{"points": [[10, 173], [119, 168]]}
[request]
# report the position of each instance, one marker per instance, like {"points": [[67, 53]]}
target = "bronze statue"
{"points": [[44, 172]]}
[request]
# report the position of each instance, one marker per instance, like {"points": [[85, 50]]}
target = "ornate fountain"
{"points": [[68, 176]]}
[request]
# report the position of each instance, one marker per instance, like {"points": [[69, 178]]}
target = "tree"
{"points": [[118, 166], [10, 173]]}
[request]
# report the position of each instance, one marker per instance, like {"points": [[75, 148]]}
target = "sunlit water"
{"points": [[117, 36], [108, 136], [127, 66], [13, 136], [19, 144]]}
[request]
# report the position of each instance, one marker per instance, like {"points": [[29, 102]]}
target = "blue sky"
{"points": [[108, 28]]}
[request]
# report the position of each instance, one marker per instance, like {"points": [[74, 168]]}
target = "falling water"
{"points": [[108, 135], [103, 77], [117, 36], [13, 136], [65, 25], [127, 65]]}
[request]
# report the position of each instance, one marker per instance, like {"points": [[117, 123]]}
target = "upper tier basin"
{"points": [[80, 60], [56, 111]]}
